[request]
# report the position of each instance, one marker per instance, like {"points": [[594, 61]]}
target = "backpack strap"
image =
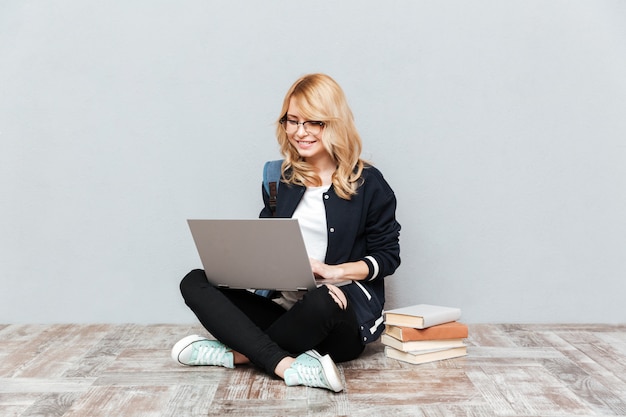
{"points": [[271, 179]]}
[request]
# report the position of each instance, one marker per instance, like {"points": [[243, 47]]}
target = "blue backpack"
{"points": [[271, 179]]}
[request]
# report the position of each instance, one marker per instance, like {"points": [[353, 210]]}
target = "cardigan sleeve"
{"points": [[382, 230]]}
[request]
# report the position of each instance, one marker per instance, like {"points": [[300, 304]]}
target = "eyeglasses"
{"points": [[312, 127]]}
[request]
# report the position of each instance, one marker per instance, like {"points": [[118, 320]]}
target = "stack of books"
{"points": [[424, 333]]}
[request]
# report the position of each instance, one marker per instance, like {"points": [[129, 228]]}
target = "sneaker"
{"points": [[198, 350], [314, 370]]}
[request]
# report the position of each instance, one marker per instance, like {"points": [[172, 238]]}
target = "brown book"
{"points": [[451, 330], [424, 357]]}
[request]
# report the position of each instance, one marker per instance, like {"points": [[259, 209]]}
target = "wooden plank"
{"points": [[122, 401], [44, 385], [59, 348], [191, 400], [488, 335], [13, 404], [20, 344], [51, 405], [416, 385]]}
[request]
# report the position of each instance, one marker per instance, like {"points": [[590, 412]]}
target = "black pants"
{"points": [[264, 331]]}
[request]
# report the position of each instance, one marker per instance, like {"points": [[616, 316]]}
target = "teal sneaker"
{"points": [[314, 370], [198, 350]]}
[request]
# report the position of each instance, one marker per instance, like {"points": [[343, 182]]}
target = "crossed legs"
{"points": [[262, 332]]}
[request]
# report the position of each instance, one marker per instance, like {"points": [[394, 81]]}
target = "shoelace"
{"points": [[312, 376], [207, 354]]}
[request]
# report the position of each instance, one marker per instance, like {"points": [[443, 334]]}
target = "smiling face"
{"points": [[309, 147]]}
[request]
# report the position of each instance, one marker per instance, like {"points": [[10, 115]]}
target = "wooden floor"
{"points": [[126, 370]]}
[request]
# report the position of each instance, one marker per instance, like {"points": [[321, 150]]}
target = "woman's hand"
{"points": [[342, 272], [323, 271]]}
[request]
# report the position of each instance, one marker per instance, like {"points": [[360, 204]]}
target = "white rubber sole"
{"points": [[330, 370], [182, 344]]}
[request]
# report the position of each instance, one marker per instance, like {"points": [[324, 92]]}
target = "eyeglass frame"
{"points": [[297, 124]]}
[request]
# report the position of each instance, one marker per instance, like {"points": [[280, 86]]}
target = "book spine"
{"points": [[454, 330], [432, 356], [421, 345]]}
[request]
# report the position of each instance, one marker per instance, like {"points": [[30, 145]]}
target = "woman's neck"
{"points": [[324, 168]]}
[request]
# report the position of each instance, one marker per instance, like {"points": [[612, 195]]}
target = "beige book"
{"points": [[424, 357], [421, 316]]}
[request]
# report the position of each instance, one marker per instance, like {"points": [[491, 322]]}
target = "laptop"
{"points": [[254, 254]]}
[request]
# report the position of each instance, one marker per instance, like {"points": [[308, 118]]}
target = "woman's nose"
{"points": [[301, 131]]}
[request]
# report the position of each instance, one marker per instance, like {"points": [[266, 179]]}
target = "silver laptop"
{"points": [[253, 254]]}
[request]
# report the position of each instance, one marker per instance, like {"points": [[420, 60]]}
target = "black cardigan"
{"points": [[362, 228]]}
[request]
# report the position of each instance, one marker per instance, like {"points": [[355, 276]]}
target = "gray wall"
{"points": [[501, 125]]}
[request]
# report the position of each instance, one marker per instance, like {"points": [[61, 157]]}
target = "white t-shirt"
{"points": [[311, 215]]}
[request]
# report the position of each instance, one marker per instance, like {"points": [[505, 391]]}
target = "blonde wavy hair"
{"points": [[320, 98]]}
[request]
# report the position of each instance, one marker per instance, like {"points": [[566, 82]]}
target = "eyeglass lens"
{"points": [[311, 127]]}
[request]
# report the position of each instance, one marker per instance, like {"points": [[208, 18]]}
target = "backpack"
{"points": [[271, 179]]}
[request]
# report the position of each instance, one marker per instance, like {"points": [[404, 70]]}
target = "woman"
{"points": [[346, 211]]}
